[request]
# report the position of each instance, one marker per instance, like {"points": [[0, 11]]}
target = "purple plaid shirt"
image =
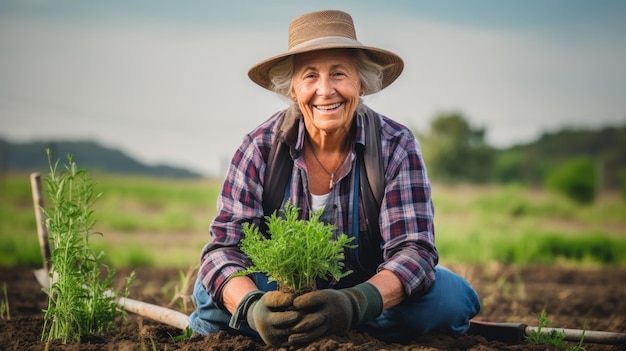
{"points": [[406, 217]]}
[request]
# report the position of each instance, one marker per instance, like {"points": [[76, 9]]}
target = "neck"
{"points": [[326, 165]]}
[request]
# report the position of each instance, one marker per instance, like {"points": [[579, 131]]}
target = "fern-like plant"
{"points": [[553, 338], [80, 301], [297, 252]]}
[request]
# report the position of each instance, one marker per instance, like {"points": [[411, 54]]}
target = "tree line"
{"points": [[576, 162]]}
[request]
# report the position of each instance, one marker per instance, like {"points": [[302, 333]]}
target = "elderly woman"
{"points": [[325, 72]]}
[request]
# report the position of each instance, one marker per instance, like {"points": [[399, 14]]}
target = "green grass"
{"points": [[163, 205], [517, 225], [535, 247], [156, 222]]}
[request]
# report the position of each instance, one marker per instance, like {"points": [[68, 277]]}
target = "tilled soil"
{"points": [[572, 298]]}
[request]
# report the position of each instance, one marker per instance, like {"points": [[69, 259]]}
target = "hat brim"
{"points": [[392, 63]]}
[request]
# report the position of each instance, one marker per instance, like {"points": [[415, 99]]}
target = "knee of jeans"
{"points": [[199, 296], [457, 301], [474, 301], [466, 304], [471, 299], [200, 325], [207, 318]]}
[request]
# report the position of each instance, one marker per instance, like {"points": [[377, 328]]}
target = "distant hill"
{"points": [[31, 157]]}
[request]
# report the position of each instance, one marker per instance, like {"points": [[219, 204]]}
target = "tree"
{"points": [[455, 151], [576, 179]]}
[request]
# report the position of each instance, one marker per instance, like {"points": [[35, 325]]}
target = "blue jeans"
{"points": [[449, 304]]}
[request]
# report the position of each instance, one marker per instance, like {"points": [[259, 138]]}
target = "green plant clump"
{"points": [[80, 301], [298, 251], [553, 338], [576, 179]]}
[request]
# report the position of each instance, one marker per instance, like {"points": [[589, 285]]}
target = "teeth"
{"points": [[329, 107]]}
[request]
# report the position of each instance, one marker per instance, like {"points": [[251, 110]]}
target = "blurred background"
{"points": [[508, 99], [166, 81]]}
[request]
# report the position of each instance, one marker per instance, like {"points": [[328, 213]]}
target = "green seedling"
{"points": [[297, 252], [80, 299], [186, 335], [554, 338]]}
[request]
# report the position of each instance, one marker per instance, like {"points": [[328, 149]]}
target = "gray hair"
{"points": [[370, 74]]}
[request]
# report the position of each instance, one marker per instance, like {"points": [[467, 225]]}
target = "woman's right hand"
{"points": [[273, 316]]}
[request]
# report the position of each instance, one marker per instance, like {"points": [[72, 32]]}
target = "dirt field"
{"points": [[570, 296]]}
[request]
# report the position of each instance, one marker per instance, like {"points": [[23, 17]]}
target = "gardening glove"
{"points": [[270, 314], [330, 311]]}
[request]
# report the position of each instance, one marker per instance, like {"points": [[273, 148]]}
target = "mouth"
{"points": [[328, 107]]}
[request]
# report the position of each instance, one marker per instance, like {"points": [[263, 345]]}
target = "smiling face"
{"points": [[327, 87]]}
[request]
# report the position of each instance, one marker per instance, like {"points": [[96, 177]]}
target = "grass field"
{"points": [[164, 223]]}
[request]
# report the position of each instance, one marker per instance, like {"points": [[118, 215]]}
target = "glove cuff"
{"points": [[366, 301], [245, 305]]}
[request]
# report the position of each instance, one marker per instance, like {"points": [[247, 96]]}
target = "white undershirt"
{"points": [[319, 201]]}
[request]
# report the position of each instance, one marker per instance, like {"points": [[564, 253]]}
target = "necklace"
{"points": [[332, 183]]}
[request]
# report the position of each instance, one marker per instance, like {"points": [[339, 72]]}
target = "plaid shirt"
{"points": [[406, 217]]}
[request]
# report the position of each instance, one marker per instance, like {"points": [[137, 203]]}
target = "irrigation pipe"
{"points": [[160, 314], [515, 333]]}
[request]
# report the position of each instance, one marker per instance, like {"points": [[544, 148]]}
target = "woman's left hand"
{"points": [[328, 312]]}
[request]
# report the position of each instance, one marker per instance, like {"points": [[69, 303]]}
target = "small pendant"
{"points": [[331, 184]]}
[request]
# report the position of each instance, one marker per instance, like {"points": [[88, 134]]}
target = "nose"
{"points": [[325, 86]]}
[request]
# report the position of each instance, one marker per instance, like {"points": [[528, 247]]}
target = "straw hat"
{"points": [[326, 30]]}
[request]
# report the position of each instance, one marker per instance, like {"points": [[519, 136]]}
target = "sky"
{"points": [[166, 81]]}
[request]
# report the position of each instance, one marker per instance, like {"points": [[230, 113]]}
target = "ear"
{"points": [[293, 96]]}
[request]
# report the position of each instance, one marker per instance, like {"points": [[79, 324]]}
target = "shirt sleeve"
{"points": [[407, 213], [239, 202]]}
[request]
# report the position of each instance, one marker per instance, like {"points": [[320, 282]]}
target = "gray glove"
{"points": [[330, 311], [270, 314]]}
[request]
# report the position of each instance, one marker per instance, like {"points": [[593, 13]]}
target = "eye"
{"points": [[309, 75]]}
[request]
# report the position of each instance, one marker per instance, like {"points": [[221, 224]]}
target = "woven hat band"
{"points": [[325, 42], [320, 24]]}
